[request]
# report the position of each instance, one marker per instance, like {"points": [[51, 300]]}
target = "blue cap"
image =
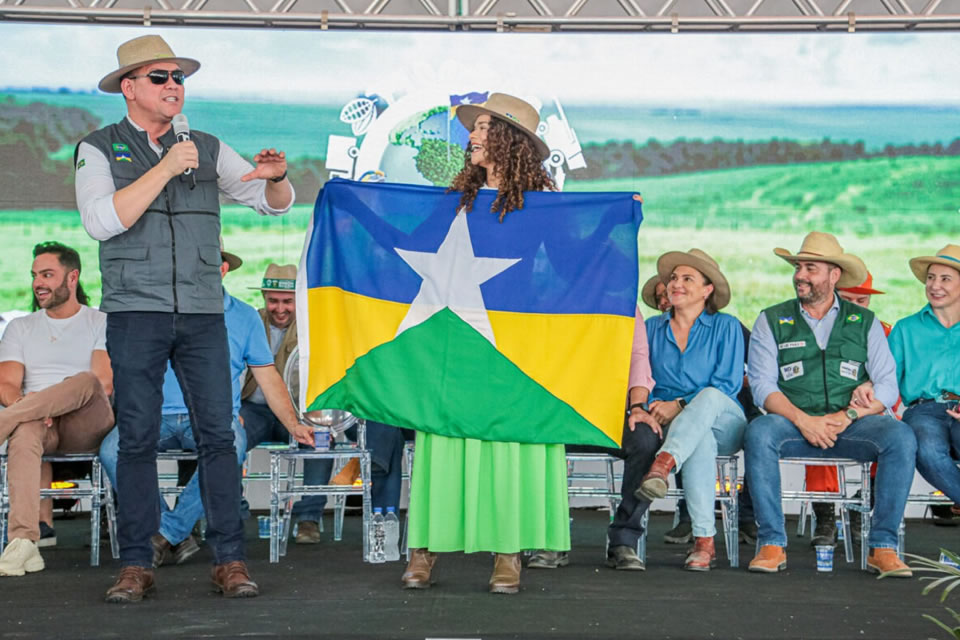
{"points": [[391, 509]]}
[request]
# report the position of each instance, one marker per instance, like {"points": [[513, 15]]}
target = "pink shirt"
{"points": [[640, 372]]}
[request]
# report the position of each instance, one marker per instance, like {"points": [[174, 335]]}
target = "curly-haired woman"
{"points": [[475, 495]]}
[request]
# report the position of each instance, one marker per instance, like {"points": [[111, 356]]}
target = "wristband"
{"points": [[279, 178], [641, 405]]}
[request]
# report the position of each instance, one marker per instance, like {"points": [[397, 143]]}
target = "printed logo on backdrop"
{"points": [[417, 139]]}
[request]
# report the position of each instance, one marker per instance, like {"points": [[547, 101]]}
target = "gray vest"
{"points": [[169, 260]]}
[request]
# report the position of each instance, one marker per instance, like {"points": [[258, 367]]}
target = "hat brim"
{"points": [[111, 82], [649, 292], [673, 259], [467, 114], [861, 291], [233, 261], [920, 265], [853, 270]]}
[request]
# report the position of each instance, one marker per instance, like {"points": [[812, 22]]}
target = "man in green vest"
{"points": [[807, 356]]}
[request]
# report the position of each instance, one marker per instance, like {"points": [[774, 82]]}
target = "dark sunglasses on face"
{"points": [[159, 76]]}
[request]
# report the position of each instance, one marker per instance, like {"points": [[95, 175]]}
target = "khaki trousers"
{"points": [[81, 416]]}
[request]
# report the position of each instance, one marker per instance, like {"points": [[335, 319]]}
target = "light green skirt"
{"points": [[473, 495]]}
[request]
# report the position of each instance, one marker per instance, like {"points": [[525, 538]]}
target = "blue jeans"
{"points": [[938, 445], [261, 425], [885, 440], [139, 345], [711, 424], [386, 456], [175, 433]]}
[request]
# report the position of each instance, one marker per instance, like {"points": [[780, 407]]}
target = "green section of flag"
{"points": [[442, 376]]}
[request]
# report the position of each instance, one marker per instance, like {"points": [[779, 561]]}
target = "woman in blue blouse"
{"points": [[697, 358]]}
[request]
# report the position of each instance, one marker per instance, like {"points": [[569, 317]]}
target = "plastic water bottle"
{"points": [[377, 537], [392, 537]]}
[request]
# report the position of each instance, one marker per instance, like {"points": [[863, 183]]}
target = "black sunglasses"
{"points": [[159, 76]]}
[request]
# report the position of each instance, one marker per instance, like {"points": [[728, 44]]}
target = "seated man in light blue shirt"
{"points": [[248, 348], [807, 357], [925, 346]]}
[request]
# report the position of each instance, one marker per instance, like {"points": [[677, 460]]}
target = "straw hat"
{"points": [[138, 52], [824, 247], [279, 277], [703, 263], [231, 259], [865, 288], [649, 292], [509, 109], [949, 256]]}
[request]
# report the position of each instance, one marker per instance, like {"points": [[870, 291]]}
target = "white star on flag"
{"points": [[451, 279]]}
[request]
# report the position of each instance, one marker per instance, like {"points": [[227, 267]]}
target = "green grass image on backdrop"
{"points": [[885, 210]]}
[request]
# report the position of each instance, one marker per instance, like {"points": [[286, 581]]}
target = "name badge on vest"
{"points": [[792, 345], [792, 370], [850, 369]]}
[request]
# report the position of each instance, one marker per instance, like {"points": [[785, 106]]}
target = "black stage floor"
{"points": [[325, 590]]}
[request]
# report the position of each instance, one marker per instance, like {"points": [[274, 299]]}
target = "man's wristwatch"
{"points": [[852, 414]]}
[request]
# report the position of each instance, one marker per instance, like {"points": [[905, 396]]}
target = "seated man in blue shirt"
{"points": [[248, 348], [925, 347], [807, 357]]}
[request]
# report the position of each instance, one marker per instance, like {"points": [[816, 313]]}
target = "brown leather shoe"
{"points": [[417, 574], [506, 573], [771, 559], [132, 585], [886, 560], [233, 581], [702, 556], [349, 473], [654, 484]]}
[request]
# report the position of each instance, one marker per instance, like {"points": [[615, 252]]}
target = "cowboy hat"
{"points": [[948, 256], [231, 259], [703, 263], [509, 109], [823, 247], [649, 292], [279, 277], [141, 51], [865, 288]]}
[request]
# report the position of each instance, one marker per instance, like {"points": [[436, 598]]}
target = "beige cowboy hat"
{"points": [[649, 292], [865, 288], [509, 109], [279, 277], [231, 259], [948, 256], [703, 263], [824, 247], [138, 52]]}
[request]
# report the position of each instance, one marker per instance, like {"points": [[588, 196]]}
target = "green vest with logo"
{"points": [[820, 381]]}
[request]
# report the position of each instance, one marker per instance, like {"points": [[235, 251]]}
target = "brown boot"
{"points": [[233, 581], [349, 473], [702, 556], [654, 484], [506, 573], [417, 575], [132, 585], [887, 562]]}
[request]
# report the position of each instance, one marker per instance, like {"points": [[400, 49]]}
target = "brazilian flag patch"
{"points": [[854, 317], [121, 152]]}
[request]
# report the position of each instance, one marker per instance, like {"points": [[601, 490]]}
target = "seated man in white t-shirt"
{"points": [[55, 379]]}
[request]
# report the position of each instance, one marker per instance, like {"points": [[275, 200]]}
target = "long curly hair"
{"points": [[517, 167]]}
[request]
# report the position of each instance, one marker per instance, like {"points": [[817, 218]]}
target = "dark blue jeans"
{"points": [[938, 445], [139, 345], [386, 457]]}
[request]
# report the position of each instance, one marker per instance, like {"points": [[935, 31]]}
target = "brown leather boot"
{"points": [[702, 556], [417, 575], [506, 573], [132, 585], [233, 581], [654, 484], [349, 473]]}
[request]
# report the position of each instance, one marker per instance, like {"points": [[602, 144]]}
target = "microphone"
{"points": [[181, 128]]}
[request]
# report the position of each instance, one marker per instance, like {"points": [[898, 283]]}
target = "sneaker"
{"points": [[680, 534], [825, 533], [748, 532], [308, 532], [19, 557], [624, 558], [548, 560], [48, 536]]}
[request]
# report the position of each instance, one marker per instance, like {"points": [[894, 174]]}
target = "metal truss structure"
{"points": [[504, 15]]}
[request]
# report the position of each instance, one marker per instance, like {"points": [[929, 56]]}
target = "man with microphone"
{"points": [[150, 195]]}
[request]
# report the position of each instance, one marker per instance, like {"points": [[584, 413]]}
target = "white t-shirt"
{"points": [[51, 349]]}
